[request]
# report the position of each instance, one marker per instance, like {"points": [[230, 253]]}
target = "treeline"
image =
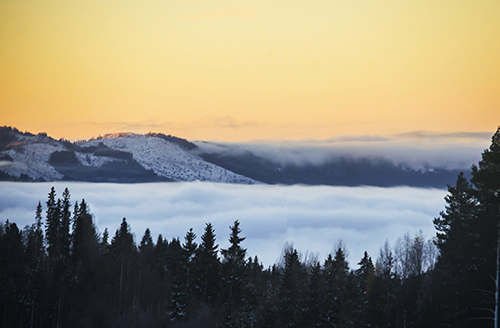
{"points": [[59, 272]]}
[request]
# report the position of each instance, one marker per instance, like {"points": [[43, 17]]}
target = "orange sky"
{"points": [[240, 70]]}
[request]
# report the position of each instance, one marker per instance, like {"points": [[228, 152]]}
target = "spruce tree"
{"points": [[336, 273], [233, 274], [291, 292], [189, 247], [52, 226], [85, 265], [124, 250], [64, 233], [486, 180], [208, 266], [12, 278], [233, 264]]}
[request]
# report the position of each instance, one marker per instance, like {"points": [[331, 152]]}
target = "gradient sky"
{"points": [[240, 70]]}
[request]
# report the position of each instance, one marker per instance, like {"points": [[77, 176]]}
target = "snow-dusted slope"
{"points": [[122, 157], [168, 159], [30, 155]]}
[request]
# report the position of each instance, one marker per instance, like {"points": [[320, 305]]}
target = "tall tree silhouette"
{"points": [[208, 266], [124, 251], [233, 275]]}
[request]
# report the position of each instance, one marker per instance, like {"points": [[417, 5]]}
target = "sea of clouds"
{"points": [[312, 218], [418, 150]]}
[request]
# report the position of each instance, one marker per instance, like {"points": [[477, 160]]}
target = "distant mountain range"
{"points": [[130, 158]]}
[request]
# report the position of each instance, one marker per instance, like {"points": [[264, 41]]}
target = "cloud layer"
{"points": [[314, 219], [419, 150]]}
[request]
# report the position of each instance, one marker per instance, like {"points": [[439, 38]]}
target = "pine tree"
{"points": [[35, 252], [208, 266], [364, 278], [124, 250], [336, 273], [85, 265], [469, 240], [53, 224], [12, 278], [146, 249], [233, 274], [85, 240], [486, 180], [315, 301], [189, 247], [64, 234], [291, 291], [233, 264]]}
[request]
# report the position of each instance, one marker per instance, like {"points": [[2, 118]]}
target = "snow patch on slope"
{"points": [[169, 160], [32, 159]]}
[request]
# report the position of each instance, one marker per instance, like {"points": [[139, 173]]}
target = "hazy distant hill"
{"points": [[337, 172], [129, 157]]}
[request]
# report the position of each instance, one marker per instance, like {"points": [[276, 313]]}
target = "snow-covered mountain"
{"points": [[122, 157]]}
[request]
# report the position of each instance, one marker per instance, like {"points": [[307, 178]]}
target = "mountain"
{"points": [[129, 157], [122, 157]]}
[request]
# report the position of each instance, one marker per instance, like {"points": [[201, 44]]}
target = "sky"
{"points": [[311, 218], [244, 70]]}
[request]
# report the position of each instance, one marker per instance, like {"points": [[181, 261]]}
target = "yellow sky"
{"points": [[240, 70]]}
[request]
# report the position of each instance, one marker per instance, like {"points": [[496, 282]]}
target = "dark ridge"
{"points": [[339, 172], [179, 141], [105, 151], [22, 178]]}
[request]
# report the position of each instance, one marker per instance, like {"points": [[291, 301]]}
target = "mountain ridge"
{"points": [[127, 157]]}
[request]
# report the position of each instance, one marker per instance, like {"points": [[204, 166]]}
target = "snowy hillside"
{"points": [[29, 155], [168, 159], [123, 157]]}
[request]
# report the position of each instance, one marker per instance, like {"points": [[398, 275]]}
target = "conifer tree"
{"points": [[233, 275], [84, 262], [315, 302], [291, 291], [365, 273], [34, 257], [124, 251], [64, 233], [208, 266], [336, 273], [486, 180], [146, 248], [233, 264], [52, 224], [85, 241], [12, 278], [189, 246]]}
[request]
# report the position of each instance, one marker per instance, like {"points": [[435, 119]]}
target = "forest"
{"points": [[60, 272]]}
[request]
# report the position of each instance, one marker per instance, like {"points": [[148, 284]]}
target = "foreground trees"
{"points": [[468, 239], [70, 276], [78, 278]]}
